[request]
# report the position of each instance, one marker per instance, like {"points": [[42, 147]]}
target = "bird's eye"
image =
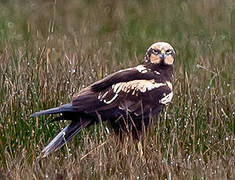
{"points": [[156, 51], [168, 51]]}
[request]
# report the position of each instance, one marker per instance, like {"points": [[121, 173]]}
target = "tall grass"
{"points": [[52, 49]]}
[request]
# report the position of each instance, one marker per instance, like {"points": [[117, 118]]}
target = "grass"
{"points": [[52, 49]]}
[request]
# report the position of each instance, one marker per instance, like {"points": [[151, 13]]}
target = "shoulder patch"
{"points": [[141, 69]]}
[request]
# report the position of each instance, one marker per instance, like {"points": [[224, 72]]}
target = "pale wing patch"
{"points": [[141, 69], [132, 87], [111, 100], [166, 99], [104, 96], [136, 86]]}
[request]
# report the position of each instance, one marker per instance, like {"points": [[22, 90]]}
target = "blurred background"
{"points": [[51, 49]]}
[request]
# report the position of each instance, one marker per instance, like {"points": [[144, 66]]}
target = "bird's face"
{"points": [[160, 53]]}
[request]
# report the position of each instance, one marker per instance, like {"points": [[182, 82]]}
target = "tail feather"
{"points": [[65, 135], [60, 109]]}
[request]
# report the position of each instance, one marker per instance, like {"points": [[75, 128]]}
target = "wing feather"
{"points": [[130, 90], [137, 96], [123, 76]]}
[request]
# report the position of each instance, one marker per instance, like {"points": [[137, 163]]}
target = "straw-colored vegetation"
{"points": [[52, 49]]}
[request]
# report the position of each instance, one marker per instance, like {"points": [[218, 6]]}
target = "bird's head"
{"points": [[160, 53]]}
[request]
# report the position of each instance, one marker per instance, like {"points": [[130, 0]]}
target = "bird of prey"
{"points": [[127, 99]]}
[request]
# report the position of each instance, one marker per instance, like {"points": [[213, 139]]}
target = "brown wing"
{"points": [[87, 99], [137, 73], [137, 96]]}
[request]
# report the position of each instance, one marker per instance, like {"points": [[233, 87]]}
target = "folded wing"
{"points": [[128, 90]]}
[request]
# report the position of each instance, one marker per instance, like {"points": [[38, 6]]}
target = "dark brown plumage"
{"points": [[127, 99]]}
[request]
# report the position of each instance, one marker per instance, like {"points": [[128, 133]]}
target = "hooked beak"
{"points": [[162, 56]]}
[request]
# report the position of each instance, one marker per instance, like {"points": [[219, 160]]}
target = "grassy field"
{"points": [[52, 49]]}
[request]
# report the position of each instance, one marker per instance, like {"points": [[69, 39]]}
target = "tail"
{"points": [[60, 109], [65, 135]]}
